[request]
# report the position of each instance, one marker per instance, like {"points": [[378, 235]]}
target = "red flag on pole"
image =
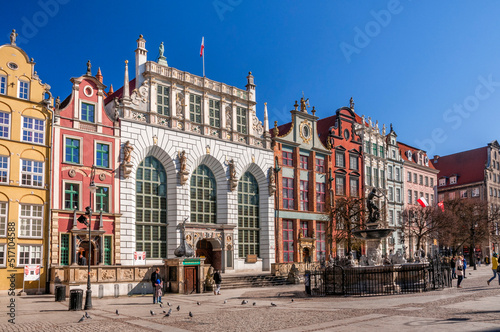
{"points": [[441, 205], [202, 46], [422, 202]]}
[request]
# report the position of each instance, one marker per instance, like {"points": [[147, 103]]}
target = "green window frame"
{"points": [[163, 100], [88, 112], [381, 151], [375, 150], [108, 240], [241, 120], [151, 208], [64, 249], [214, 112], [102, 155], [71, 196], [102, 199], [248, 216], [195, 108], [203, 196], [72, 148]]}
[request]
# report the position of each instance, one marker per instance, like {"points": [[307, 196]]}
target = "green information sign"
{"points": [[191, 261]]}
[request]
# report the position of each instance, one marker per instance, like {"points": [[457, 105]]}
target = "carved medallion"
{"points": [[72, 173]]}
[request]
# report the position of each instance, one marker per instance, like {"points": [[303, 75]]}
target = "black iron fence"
{"points": [[380, 280]]}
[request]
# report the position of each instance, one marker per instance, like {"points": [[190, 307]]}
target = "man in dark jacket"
{"points": [[154, 277], [218, 281], [82, 260]]}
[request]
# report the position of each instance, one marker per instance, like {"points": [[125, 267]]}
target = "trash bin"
{"points": [[60, 293], [75, 299]]}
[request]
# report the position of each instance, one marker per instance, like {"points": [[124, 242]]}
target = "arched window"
{"points": [[248, 216], [203, 196], [151, 208]]}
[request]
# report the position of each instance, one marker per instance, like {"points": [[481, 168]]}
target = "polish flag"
{"points": [[422, 202], [202, 46], [441, 205]]}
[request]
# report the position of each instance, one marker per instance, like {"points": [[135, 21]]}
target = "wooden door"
{"points": [[190, 279]]}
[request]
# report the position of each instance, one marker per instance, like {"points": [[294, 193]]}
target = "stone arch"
{"points": [[33, 155], [34, 113], [31, 199], [4, 107], [4, 197], [4, 150]]}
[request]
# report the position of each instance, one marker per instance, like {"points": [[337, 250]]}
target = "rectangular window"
{"points": [[426, 181], [64, 249], [398, 217], [31, 220], [304, 228], [391, 194], [463, 193], [88, 112], [29, 255], [287, 159], [287, 241], [441, 197], [102, 155], [414, 177], [354, 185], [389, 172], [320, 197], [391, 217], [340, 185], [432, 182], [381, 151], [409, 176], [367, 147], [304, 162], [4, 169], [288, 202], [195, 108], [353, 162], [72, 151], [33, 130], [102, 199], [304, 195], [3, 84], [320, 241], [382, 178], [442, 182], [375, 177], [453, 180], [163, 100], [108, 240], [32, 173], [375, 149], [416, 197], [2, 255], [475, 192], [4, 124], [398, 195], [409, 197], [432, 200], [241, 120], [71, 196], [24, 88], [214, 112], [421, 180], [3, 219], [427, 198], [368, 176], [398, 177], [320, 165], [452, 194], [339, 159]]}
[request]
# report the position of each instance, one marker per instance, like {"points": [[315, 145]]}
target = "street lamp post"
{"points": [[473, 249]]}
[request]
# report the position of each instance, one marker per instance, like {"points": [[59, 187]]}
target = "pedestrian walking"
{"points": [[158, 289], [218, 281], [465, 266], [460, 270], [453, 265], [494, 267], [154, 278]]}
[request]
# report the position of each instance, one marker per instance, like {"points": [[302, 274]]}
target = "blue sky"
{"points": [[432, 69]]}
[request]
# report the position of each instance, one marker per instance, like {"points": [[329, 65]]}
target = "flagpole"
{"points": [[203, 63]]}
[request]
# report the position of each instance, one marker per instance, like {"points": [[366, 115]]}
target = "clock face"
{"points": [[346, 134]]}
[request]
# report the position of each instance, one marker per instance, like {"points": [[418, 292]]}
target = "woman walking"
{"points": [[453, 265], [494, 266], [460, 271]]}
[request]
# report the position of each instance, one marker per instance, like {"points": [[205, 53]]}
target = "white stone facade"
{"points": [[164, 136]]}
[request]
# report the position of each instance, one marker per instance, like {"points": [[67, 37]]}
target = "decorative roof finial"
{"points": [[13, 36], [99, 75], [296, 106], [89, 66], [276, 130], [313, 111], [351, 104]]}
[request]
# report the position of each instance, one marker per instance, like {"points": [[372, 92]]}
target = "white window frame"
{"points": [[30, 257], [398, 176], [475, 192], [79, 183], [80, 152], [453, 180], [95, 110], [110, 203], [5, 169], [391, 194], [9, 117], [3, 84], [389, 172], [27, 88], [4, 219], [398, 195], [391, 217], [109, 154], [31, 173], [32, 220], [3, 262], [442, 182], [33, 130]]}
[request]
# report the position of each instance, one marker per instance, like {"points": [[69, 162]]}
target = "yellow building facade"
{"points": [[25, 163]]}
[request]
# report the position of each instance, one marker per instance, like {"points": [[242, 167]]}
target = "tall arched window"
{"points": [[151, 208], [203, 196], [248, 216]]}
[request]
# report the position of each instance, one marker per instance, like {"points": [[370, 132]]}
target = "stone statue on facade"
{"points": [[304, 104], [89, 66], [117, 109], [13, 36], [161, 58], [184, 249], [179, 105], [351, 104], [127, 159], [233, 181], [373, 210], [272, 181], [183, 172]]}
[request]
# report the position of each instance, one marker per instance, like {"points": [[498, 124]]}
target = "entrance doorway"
{"points": [[306, 258], [205, 249], [190, 279], [84, 249]]}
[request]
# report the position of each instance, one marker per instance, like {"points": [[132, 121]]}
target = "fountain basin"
{"points": [[373, 234]]}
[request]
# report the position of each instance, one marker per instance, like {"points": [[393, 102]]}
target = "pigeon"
{"points": [[164, 312], [255, 303], [161, 305], [168, 303], [178, 307], [82, 319], [168, 313], [198, 303], [273, 304], [225, 301], [87, 315], [152, 312], [117, 312], [190, 314], [292, 300], [244, 302]]}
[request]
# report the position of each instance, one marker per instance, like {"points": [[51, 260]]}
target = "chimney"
{"points": [[140, 61]]}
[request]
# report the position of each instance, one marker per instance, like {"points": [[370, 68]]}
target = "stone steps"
{"points": [[265, 280]]}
